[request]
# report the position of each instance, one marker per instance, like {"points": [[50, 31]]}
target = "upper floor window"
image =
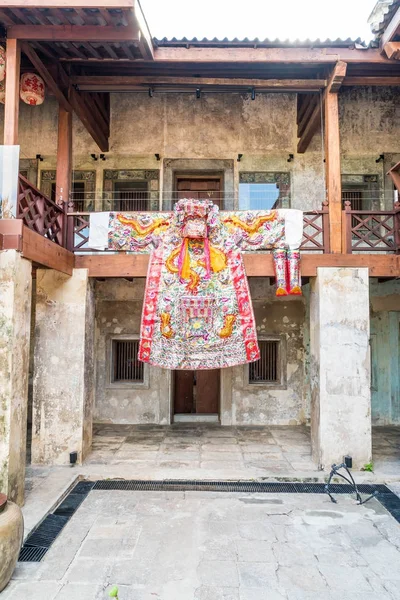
{"points": [[263, 190]]}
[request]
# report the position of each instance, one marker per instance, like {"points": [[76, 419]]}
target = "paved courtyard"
{"points": [[203, 450], [218, 546]]}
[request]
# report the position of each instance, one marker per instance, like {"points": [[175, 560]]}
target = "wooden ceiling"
{"points": [[115, 31]]}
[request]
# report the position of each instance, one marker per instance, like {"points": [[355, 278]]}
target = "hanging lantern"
{"points": [[2, 91], [32, 89], [2, 63]]}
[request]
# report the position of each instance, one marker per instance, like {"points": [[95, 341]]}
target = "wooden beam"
{"points": [[74, 33], [308, 127], [392, 50], [46, 75], [68, 3], [332, 170], [40, 250], [313, 123], [35, 247], [104, 83], [256, 264], [88, 120], [64, 156], [273, 55], [395, 176], [336, 79], [145, 43], [366, 81], [11, 110], [392, 29]]}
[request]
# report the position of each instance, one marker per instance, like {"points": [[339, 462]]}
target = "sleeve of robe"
{"points": [[140, 233], [265, 229], [278, 230]]}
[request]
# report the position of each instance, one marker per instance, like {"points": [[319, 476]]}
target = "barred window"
{"points": [[126, 367], [268, 368]]}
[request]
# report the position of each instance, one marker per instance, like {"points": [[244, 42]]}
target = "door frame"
{"points": [[196, 416], [193, 174]]}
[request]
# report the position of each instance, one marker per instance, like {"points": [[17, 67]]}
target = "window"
{"points": [[131, 196], [267, 368], [264, 191], [126, 368]]}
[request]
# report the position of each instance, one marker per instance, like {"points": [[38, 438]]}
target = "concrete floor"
{"points": [[218, 546], [207, 451]]}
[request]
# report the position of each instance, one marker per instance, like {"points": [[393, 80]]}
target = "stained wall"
{"points": [[118, 312], [224, 125]]}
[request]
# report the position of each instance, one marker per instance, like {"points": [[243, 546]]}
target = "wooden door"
{"points": [[197, 392], [200, 189], [207, 392]]}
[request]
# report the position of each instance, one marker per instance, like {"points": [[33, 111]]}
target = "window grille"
{"points": [[126, 367], [267, 368]]}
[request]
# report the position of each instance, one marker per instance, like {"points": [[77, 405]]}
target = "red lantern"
{"points": [[2, 63], [32, 89]]}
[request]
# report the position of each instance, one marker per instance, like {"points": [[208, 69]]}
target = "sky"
{"points": [[293, 19]]}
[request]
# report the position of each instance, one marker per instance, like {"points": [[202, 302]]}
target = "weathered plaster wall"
{"points": [[118, 312], [262, 404], [340, 366], [15, 316], [220, 126], [63, 366], [385, 351]]}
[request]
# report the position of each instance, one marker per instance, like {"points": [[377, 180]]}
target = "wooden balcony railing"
{"points": [[39, 213], [371, 231], [315, 237]]}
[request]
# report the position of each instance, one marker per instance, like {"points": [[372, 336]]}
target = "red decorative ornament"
{"points": [[2, 63], [32, 89], [3, 91]]}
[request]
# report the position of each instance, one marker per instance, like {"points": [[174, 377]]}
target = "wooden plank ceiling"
{"points": [[80, 32]]}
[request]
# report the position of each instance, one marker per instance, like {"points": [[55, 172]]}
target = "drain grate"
{"points": [[31, 554], [38, 542]]}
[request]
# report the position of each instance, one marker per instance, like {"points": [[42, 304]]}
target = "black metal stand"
{"points": [[350, 481]]}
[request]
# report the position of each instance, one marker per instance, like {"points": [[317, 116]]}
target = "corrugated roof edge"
{"points": [[381, 16], [256, 42]]}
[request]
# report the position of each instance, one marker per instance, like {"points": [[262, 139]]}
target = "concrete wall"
{"points": [[118, 312], [15, 316], [221, 126], [385, 351], [340, 366], [261, 404], [63, 385]]}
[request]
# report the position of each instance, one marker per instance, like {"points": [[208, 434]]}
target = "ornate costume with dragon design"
{"points": [[197, 311]]}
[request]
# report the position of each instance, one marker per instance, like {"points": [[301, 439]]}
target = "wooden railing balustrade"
{"points": [[366, 231], [315, 236], [39, 213], [371, 230]]}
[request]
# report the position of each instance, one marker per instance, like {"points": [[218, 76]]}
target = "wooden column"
{"points": [[64, 156], [64, 164], [11, 111], [332, 156]]}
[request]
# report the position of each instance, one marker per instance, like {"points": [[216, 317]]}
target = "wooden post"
{"points": [[11, 111], [333, 174], [332, 155], [64, 163]]}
